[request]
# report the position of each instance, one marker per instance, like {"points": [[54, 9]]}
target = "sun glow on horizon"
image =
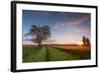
{"points": [[80, 43]]}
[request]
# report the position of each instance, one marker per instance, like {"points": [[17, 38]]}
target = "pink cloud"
{"points": [[73, 21], [81, 30], [84, 30], [77, 20]]}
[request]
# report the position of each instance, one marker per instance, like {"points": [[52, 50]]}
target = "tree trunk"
{"points": [[39, 44]]}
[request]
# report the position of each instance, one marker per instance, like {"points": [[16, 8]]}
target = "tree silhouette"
{"points": [[86, 41], [39, 34]]}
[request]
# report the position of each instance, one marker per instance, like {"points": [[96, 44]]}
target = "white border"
{"points": [[21, 65]]}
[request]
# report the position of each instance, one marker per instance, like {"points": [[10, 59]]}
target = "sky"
{"points": [[65, 27]]}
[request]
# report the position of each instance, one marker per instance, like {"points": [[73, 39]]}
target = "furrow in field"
{"points": [[41, 55], [58, 55]]}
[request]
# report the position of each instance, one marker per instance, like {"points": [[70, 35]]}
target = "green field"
{"points": [[35, 54]]}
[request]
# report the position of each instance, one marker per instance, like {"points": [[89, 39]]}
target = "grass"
{"points": [[29, 53], [35, 54], [41, 55], [58, 55]]}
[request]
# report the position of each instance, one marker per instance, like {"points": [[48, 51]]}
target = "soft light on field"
{"points": [[80, 43]]}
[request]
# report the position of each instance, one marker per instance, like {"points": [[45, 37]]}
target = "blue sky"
{"points": [[66, 27]]}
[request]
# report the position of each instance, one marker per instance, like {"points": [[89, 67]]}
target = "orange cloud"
{"points": [[84, 30]]}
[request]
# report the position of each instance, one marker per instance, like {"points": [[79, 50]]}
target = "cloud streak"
{"points": [[73, 21], [78, 20], [80, 30]]}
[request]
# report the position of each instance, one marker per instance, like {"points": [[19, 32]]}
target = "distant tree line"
{"points": [[86, 41]]}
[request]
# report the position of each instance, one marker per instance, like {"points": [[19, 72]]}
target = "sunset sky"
{"points": [[66, 27]]}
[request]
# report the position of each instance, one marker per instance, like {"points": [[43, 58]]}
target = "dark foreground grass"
{"points": [[35, 54], [29, 53]]}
